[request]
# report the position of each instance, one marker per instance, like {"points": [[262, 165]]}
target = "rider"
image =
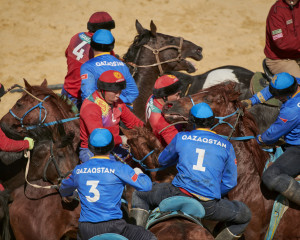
{"points": [[79, 51], [166, 88], [265, 94], [102, 43], [104, 109], [207, 170], [10, 145], [283, 37], [100, 183], [280, 175]]}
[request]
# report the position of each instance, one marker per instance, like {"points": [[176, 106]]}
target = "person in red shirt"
{"points": [[166, 88], [79, 51], [282, 48], [105, 109], [10, 145]]}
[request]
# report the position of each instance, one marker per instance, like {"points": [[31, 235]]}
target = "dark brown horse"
{"points": [[223, 99], [151, 54], [142, 141]]}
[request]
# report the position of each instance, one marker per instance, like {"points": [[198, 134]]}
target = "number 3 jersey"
{"points": [[206, 163], [100, 183]]}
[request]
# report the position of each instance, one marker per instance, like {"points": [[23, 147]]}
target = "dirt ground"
{"points": [[35, 33]]}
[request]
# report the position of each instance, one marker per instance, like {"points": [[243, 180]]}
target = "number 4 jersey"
{"points": [[206, 163], [100, 183]]}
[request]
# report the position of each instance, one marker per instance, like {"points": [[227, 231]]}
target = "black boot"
{"points": [[293, 192], [225, 234], [139, 216]]}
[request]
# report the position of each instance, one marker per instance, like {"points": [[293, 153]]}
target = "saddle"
{"points": [[109, 236], [174, 207]]}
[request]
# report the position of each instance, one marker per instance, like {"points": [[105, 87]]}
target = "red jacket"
{"points": [[78, 52], [158, 122], [10, 145], [96, 113], [283, 32]]}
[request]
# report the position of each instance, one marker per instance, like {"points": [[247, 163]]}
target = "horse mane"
{"points": [[138, 42]]}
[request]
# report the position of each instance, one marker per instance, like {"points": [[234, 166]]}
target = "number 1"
{"points": [[199, 166]]}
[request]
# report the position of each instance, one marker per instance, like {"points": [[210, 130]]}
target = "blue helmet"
{"points": [[202, 115], [283, 84], [101, 141], [103, 41]]}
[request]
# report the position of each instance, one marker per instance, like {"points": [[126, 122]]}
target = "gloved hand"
{"points": [[124, 140], [31, 142], [247, 103], [137, 171]]}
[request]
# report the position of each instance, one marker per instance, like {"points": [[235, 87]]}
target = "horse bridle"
{"points": [[51, 159], [156, 53]]}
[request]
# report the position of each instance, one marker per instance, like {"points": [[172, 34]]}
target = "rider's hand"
{"points": [[137, 171], [124, 140], [247, 103], [30, 141]]}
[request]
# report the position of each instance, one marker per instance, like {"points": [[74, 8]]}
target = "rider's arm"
{"points": [[129, 119], [88, 81], [10, 145], [229, 179], [261, 97], [169, 155], [139, 181], [68, 186], [131, 92]]}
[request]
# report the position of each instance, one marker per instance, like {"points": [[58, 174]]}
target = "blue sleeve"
{"points": [[169, 155], [285, 122], [140, 182], [262, 96], [68, 186], [131, 92], [229, 179], [88, 81]]}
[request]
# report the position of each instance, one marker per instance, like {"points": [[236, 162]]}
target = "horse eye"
{"points": [[18, 105]]}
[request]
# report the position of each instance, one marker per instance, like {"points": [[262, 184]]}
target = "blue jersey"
{"points": [[91, 70], [206, 163], [100, 183], [287, 123], [264, 95]]}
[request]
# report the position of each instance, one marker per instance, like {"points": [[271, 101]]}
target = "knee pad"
{"points": [[244, 213]]}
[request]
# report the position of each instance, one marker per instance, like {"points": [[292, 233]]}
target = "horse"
{"points": [[224, 100], [151, 54], [51, 160], [142, 142], [39, 105]]}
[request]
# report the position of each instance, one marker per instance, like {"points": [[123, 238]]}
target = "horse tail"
{"points": [[4, 215]]}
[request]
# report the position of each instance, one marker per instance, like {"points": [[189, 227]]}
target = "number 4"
{"points": [[199, 166], [79, 52]]}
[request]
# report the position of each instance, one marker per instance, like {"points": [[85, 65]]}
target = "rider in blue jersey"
{"points": [[207, 170], [100, 182], [280, 175], [102, 43]]}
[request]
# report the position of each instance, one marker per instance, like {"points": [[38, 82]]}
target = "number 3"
{"points": [[199, 166], [93, 190]]}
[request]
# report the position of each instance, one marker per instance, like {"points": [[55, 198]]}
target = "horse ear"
{"points": [[27, 85], [44, 83], [139, 27], [153, 28]]}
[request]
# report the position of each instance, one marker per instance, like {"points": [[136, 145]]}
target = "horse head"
{"points": [[145, 148]]}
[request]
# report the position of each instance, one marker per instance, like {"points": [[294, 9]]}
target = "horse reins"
{"points": [[156, 53]]}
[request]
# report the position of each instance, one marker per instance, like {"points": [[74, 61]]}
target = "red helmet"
{"points": [[111, 80], [166, 85], [100, 20]]}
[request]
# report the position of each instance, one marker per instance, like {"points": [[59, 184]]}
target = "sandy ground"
{"points": [[35, 33]]}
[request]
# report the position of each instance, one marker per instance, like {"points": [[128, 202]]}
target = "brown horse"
{"points": [[142, 141], [152, 54], [39, 105], [223, 99]]}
